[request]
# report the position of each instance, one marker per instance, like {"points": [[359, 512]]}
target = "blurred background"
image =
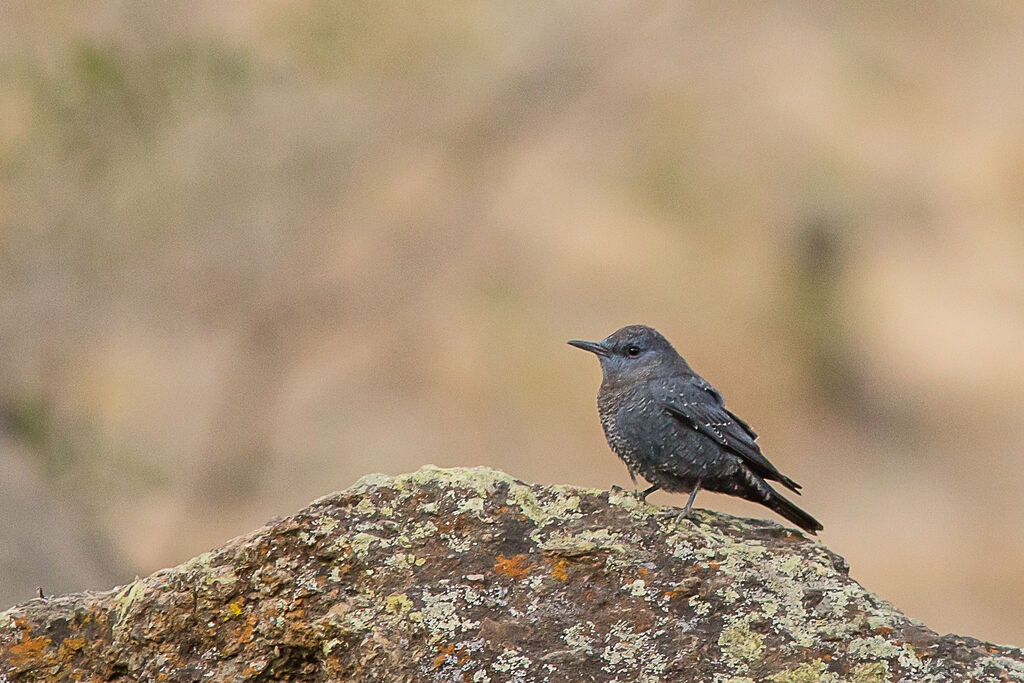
{"points": [[249, 253]]}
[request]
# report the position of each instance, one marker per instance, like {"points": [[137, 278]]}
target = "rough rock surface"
{"points": [[470, 575]]}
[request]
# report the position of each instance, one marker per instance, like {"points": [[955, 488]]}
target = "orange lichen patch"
{"points": [[445, 652], [642, 571], [28, 649], [714, 565], [883, 631], [514, 566], [558, 568], [241, 636]]}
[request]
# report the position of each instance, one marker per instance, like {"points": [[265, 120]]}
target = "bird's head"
{"points": [[634, 353]]}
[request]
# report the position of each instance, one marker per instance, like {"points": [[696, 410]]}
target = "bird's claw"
{"points": [[677, 515], [621, 489]]}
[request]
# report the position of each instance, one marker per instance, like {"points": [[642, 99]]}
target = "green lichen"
{"points": [[875, 647], [631, 503], [472, 505], [633, 651], [330, 645], [870, 672], [483, 480], [740, 644], [808, 672], [585, 542], [700, 607], [562, 506], [123, 603], [224, 576], [1014, 669], [578, 637], [398, 603], [512, 662], [199, 563], [442, 612], [361, 542], [367, 481], [366, 506], [400, 560]]}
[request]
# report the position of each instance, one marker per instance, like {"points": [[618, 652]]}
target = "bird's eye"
{"points": [[633, 351]]}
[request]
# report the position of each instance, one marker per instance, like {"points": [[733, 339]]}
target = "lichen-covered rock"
{"points": [[470, 575]]}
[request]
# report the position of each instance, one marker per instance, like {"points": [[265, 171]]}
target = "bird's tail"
{"points": [[791, 512]]}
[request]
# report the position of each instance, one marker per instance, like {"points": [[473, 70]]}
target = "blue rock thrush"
{"points": [[670, 425]]}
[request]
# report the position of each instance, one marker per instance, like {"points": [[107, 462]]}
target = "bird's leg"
{"points": [[642, 495], [685, 514], [632, 475]]}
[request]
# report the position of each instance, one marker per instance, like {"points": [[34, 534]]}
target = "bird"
{"points": [[670, 425]]}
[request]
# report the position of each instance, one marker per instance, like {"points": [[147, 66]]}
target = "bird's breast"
{"points": [[628, 418]]}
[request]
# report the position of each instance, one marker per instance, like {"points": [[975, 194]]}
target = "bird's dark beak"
{"points": [[594, 347]]}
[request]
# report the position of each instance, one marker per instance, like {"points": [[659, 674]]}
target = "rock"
{"points": [[471, 575]]}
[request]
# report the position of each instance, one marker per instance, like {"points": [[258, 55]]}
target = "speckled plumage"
{"points": [[669, 425]]}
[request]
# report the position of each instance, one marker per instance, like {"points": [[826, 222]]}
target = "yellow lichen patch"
{"points": [[73, 644], [514, 566]]}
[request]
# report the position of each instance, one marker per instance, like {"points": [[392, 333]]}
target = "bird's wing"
{"points": [[699, 405], [706, 386]]}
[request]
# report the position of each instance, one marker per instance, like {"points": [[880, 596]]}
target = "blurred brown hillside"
{"points": [[249, 253]]}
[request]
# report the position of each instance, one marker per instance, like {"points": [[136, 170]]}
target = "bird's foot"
{"points": [[676, 515], [642, 495]]}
